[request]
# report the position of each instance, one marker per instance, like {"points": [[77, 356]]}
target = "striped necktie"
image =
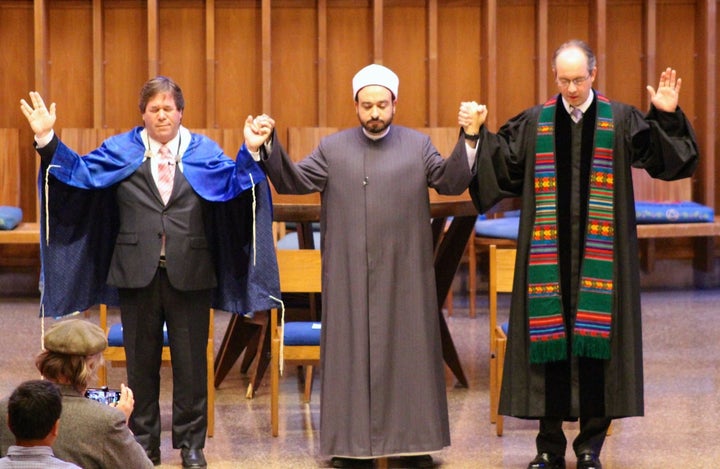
{"points": [[166, 173]]}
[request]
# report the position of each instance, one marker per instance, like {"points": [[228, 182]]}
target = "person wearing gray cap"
{"points": [[378, 276], [94, 435]]}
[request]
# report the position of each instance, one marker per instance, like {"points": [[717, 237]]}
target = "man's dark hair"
{"points": [[161, 84], [33, 409]]}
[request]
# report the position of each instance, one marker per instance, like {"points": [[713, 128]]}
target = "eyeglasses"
{"points": [[564, 82]]}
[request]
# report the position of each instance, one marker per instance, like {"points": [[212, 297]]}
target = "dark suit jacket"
{"points": [[144, 218]]}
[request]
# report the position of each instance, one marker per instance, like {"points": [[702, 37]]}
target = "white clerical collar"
{"points": [[583, 107], [376, 136]]}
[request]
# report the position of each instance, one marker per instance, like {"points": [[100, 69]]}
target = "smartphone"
{"points": [[103, 395]]}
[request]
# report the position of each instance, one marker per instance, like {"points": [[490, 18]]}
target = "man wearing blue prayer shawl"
{"points": [[160, 221]]}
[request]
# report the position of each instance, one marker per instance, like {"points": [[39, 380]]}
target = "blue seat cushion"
{"points": [[290, 241], [301, 333], [10, 217], [672, 212], [504, 327], [115, 336], [505, 227]]}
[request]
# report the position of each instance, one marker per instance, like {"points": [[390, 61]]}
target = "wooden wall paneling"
{"points": [[676, 20], [517, 60], [182, 54], [98, 59], [568, 20], [210, 117], [706, 96], [153, 37], [349, 50], [71, 62], [488, 75], [294, 59], [432, 64], [405, 52], [16, 60], [41, 46], [543, 68], [322, 63], [650, 45], [239, 77], [598, 38], [461, 58], [378, 31], [714, 139], [126, 57], [624, 77], [705, 127], [17, 79], [232, 140], [10, 168], [266, 48]]}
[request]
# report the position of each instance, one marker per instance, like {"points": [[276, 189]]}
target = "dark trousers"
{"points": [[186, 315], [551, 439]]}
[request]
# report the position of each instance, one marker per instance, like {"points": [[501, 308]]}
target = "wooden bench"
{"points": [[702, 234]]}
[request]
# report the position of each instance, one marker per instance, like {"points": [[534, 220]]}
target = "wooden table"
{"points": [[449, 240]]}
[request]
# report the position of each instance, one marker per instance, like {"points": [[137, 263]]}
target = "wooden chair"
{"points": [[300, 272], [501, 272], [114, 354]]}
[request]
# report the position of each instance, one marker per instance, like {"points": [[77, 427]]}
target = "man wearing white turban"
{"points": [[383, 385]]}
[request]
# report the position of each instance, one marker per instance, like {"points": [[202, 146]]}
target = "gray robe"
{"points": [[661, 143], [383, 385]]}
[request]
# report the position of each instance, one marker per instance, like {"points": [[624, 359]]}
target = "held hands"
{"points": [[41, 118], [668, 91], [471, 116], [126, 402], [257, 131]]}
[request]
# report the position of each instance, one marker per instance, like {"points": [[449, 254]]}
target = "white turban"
{"points": [[375, 74]]}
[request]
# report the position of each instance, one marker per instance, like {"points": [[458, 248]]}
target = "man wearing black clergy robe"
{"points": [[574, 342]]}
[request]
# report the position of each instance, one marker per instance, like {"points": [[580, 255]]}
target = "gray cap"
{"points": [[75, 337]]}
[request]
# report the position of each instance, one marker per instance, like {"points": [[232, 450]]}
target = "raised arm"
{"points": [[40, 118], [668, 91], [257, 131]]}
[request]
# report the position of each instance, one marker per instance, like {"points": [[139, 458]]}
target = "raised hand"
{"points": [[668, 91], [257, 130], [40, 118], [471, 116]]}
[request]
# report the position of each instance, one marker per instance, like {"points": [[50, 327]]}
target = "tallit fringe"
{"points": [[254, 208], [47, 203]]}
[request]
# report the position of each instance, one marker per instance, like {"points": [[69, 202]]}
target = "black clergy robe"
{"points": [[661, 143], [383, 384]]}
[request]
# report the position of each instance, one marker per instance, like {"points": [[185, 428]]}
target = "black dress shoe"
{"points": [[420, 460], [193, 457], [153, 455], [351, 462], [547, 461], [588, 461]]}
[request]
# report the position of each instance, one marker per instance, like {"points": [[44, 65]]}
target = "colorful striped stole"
{"points": [[591, 334]]}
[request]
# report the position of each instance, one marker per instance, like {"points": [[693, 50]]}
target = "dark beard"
{"points": [[376, 126]]}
